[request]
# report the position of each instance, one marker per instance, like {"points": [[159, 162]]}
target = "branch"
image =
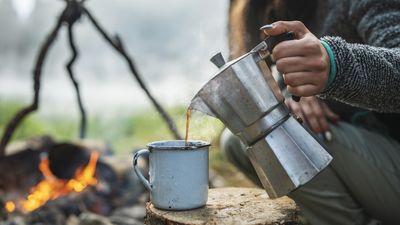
{"points": [[17, 119], [117, 45], [69, 65]]}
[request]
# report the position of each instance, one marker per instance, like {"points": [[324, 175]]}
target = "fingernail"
{"points": [[328, 135], [265, 27]]}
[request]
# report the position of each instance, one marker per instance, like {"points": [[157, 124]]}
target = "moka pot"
{"points": [[245, 97]]}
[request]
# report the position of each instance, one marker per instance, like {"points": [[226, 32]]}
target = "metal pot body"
{"points": [[287, 158], [241, 94], [246, 98]]}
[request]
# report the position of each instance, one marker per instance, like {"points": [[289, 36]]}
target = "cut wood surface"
{"points": [[244, 206]]}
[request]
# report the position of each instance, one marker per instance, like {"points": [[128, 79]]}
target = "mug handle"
{"points": [[136, 168]]}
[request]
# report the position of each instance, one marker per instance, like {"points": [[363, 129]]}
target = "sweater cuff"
{"points": [[333, 69]]}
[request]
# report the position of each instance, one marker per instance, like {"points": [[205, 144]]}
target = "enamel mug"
{"points": [[178, 173]]}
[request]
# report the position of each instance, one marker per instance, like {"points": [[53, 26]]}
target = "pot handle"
{"points": [[137, 170], [272, 41]]}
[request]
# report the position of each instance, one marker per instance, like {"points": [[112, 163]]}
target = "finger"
{"points": [[319, 113], [292, 64], [304, 90], [311, 118], [292, 48], [288, 48], [294, 108], [314, 125], [281, 27], [299, 78], [299, 63]]}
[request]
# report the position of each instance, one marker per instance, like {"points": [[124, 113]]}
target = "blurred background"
{"points": [[170, 42]]}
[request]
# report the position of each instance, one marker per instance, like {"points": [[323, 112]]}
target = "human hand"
{"points": [[315, 113], [303, 62]]}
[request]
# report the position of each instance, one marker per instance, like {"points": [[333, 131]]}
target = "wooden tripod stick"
{"points": [[72, 12]]}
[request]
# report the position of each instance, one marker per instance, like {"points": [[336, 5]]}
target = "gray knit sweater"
{"points": [[365, 38]]}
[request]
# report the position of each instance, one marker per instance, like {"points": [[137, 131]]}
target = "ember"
{"points": [[52, 187], [9, 206]]}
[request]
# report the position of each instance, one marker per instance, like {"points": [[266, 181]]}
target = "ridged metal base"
{"points": [[287, 158]]}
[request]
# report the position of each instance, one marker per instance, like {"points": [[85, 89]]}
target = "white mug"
{"points": [[178, 174]]}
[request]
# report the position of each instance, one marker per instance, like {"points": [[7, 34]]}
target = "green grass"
{"points": [[34, 125], [126, 133]]}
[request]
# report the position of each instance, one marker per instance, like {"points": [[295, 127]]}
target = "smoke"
{"points": [[23, 8]]}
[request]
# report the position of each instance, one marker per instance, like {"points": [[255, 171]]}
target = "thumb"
{"points": [[281, 27]]}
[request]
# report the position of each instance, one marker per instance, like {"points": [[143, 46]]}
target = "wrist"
{"points": [[332, 69]]}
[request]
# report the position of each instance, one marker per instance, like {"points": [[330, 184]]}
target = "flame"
{"points": [[9, 206], [51, 187], [85, 177]]}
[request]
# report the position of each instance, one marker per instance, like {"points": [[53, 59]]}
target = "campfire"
{"points": [[65, 183], [51, 187], [63, 180]]}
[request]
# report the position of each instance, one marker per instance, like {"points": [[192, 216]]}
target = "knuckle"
{"points": [[319, 63], [323, 76], [280, 65], [298, 23], [319, 114], [309, 113], [288, 80], [296, 109], [316, 44], [313, 46], [276, 52], [293, 90], [323, 63]]}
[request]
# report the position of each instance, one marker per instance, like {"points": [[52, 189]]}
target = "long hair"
{"points": [[247, 16]]}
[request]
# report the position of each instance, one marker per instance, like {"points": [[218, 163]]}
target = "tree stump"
{"points": [[244, 206]]}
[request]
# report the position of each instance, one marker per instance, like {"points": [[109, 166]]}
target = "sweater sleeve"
{"points": [[368, 75]]}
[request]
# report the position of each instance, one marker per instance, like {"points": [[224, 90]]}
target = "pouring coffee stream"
{"points": [[188, 112], [245, 97]]}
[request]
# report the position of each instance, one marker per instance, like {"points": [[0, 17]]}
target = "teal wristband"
{"points": [[332, 70]]}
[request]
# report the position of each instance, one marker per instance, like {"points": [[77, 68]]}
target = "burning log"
{"points": [[52, 187], [66, 164], [66, 158]]}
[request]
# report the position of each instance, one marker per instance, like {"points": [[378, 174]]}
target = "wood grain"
{"points": [[244, 206]]}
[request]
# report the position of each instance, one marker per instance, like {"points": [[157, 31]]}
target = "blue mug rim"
{"points": [[178, 145]]}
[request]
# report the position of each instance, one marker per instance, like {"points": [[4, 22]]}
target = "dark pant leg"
{"points": [[330, 197]]}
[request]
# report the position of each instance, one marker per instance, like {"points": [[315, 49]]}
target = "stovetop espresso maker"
{"points": [[245, 97]]}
